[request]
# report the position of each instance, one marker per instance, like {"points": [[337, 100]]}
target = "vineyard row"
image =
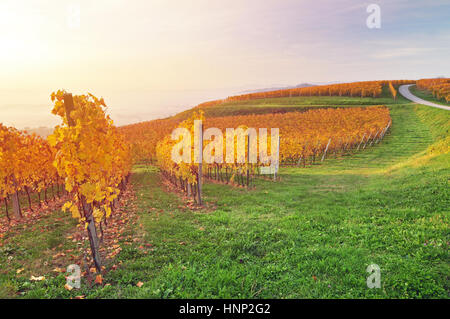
{"points": [[305, 137]]}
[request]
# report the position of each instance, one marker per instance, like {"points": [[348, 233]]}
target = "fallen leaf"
{"points": [[99, 279], [20, 270], [40, 278], [57, 269], [68, 287]]}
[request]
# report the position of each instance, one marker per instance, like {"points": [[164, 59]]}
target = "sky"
{"points": [[153, 58]]}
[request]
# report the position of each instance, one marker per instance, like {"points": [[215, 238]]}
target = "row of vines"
{"points": [[304, 139], [354, 89], [26, 167], [145, 136], [440, 88], [86, 156]]}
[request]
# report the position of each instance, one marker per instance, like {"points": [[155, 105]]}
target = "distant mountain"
{"points": [[41, 131], [302, 85]]}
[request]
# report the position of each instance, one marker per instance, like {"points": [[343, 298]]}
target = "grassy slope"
{"points": [[311, 235]]}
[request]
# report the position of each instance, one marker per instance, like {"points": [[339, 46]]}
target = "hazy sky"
{"points": [[152, 58]]}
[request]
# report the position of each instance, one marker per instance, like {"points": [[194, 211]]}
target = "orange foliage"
{"points": [[440, 88], [93, 157], [144, 136], [26, 163], [303, 135], [355, 89]]}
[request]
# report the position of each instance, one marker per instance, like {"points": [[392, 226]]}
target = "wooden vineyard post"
{"points": [[373, 139], [347, 145], [361, 141], [15, 200], [200, 160], [92, 233], [5, 200], [367, 140], [386, 129], [380, 137], [87, 208], [326, 149], [303, 157], [16, 205], [27, 190], [382, 134]]}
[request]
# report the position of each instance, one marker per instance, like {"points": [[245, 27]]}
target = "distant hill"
{"points": [[302, 85], [41, 131]]}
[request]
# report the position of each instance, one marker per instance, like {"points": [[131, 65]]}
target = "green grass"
{"points": [[32, 247], [329, 222], [310, 235], [425, 95]]}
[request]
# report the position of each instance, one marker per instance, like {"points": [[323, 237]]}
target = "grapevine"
{"points": [[93, 159]]}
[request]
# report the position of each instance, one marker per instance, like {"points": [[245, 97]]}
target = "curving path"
{"points": [[404, 90]]}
